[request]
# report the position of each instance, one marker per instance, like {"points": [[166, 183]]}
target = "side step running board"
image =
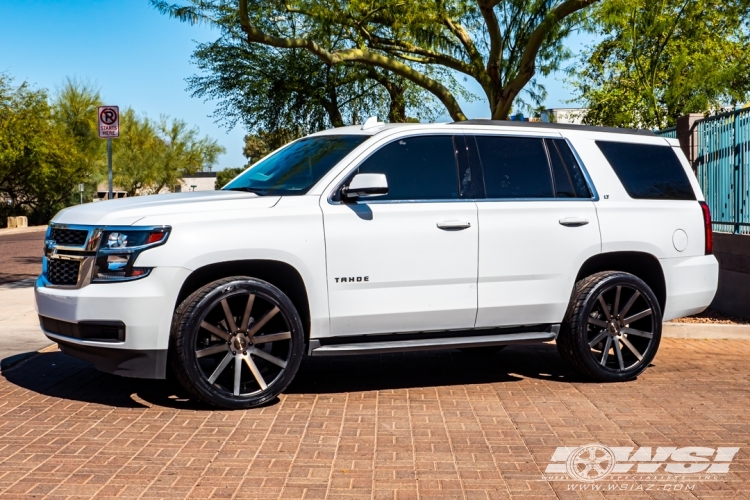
{"points": [[432, 344]]}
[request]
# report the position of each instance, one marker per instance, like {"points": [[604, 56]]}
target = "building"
{"points": [[564, 115], [199, 181]]}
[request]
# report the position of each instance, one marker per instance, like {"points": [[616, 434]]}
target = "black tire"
{"points": [[264, 346], [611, 339]]}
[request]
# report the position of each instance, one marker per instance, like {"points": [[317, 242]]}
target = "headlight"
{"points": [[120, 248]]}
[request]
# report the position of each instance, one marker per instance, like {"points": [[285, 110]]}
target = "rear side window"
{"points": [[648, 171], [417, 168], [569, 179], [514, 167]]}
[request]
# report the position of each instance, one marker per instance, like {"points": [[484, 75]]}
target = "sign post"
{"points": [[109, 128], [80, 190]]}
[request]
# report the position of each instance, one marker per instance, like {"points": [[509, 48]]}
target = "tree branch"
{"points": [[364, 56]]}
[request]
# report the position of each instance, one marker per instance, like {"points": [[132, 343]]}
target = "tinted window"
{"points": [[569, 179], [514, 167], [417, 168], [648, 171], [295, 168]]}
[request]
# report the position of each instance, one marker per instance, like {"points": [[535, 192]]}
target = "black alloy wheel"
{"points": [[236, 343], [612, 328]]}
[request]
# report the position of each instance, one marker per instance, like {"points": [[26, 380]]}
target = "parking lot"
{"points": [[420, 425]]}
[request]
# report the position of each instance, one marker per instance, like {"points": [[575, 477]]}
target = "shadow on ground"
{"points": [[58, 375]]}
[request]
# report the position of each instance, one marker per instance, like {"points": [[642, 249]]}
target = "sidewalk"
{"points": [[19, 323]]}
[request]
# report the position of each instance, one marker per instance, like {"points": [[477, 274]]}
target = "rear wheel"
{"points": [[612, 328], [236, 343]]}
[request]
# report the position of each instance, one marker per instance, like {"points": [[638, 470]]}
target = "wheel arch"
{"points": [[643, 265], [280, 274]]}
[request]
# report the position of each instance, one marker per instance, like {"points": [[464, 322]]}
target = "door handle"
{"points": [[574, 221], [453, 224]]}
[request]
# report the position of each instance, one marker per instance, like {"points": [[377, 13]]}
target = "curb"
{"points": [[705, 331], [12, 361]]}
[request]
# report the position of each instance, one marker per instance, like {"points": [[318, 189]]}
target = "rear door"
{"points": [[406, 261], [537, 225]]}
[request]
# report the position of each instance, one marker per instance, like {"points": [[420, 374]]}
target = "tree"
{"points": [[661, 60], [74, 108], [224, 176], [40, 165], [149, 157], [502, 44], [270, 89]]}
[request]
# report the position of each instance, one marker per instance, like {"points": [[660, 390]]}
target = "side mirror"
{"points": [[365, 186]]}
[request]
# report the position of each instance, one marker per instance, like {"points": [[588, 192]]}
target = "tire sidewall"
{"points": [[580, 338], [190, 326]]}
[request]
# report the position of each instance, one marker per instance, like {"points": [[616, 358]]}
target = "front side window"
{"points": [[417, 168], [296, 168], [648, 171], [514, 167]]}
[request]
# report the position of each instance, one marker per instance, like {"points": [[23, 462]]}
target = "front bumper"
{"points": [[144, 306]]}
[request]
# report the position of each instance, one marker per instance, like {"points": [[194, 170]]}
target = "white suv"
{"points": [[385, 238]]}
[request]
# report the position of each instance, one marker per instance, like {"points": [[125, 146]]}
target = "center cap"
{"points": [[240, 343]]}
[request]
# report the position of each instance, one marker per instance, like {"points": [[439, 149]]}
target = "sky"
{"points": [[140, 58]]}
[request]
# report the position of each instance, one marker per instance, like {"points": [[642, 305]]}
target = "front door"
{"points": [[406, 261], [538, 224]]}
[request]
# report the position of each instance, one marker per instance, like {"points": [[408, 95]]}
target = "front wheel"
{"points": [[236, 343], [612, 328]]}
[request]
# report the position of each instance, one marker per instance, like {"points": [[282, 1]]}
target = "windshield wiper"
{"points": [[258, 191]]}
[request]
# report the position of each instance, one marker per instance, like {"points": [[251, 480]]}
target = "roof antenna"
{"points": [[372, 122]]}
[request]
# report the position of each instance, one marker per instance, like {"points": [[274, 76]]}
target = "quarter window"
{"points": [[417, 168], [569, 179], [514, 167], [648, 171]]}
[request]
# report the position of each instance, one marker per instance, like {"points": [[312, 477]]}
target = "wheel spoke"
{"points": [[261, 322], [220, 368], [637, 333], [617, 302], [605, 351], [214, 349], [228, 313], [273, 337], [636, 317], [598, 338], [598, 322], [605, 309], [271, 359], [237, 373], [216, 331], [632, 348], [256, 373], [248, 309], [619, 354], [630, 303]]}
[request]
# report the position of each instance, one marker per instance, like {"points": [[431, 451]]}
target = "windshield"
{"points": [[297, 167]]}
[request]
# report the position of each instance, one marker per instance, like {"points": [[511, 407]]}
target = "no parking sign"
{"points": [[109, 122]]}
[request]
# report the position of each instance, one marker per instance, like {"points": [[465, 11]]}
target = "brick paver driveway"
{"points": [[423, 425]]}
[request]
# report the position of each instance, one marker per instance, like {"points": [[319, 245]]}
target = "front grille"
{"points": [[63, 272], [72, 237]]}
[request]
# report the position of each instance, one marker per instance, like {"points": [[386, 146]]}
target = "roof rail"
{"points": [[565, 126], [372, 122]]}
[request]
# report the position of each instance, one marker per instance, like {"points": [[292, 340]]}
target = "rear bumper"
{"points": [[691, 284]]}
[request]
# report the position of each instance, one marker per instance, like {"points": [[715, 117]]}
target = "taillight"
{"points": [[707, 228]]}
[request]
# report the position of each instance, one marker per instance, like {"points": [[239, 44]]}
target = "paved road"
{"points": [[400, 426], [20, 264]]}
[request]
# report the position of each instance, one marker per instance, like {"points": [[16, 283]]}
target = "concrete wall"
{"points": [[733, 253]]}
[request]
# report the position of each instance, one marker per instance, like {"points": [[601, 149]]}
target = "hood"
{"points": [[128, 211]]}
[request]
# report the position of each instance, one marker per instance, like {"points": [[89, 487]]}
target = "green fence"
{"points": [[723, 168]]}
